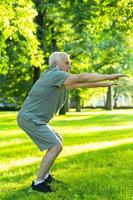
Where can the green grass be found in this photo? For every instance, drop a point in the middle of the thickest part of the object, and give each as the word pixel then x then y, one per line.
pixel 96 163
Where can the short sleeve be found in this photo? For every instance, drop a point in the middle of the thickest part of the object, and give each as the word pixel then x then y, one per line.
pixel 59 77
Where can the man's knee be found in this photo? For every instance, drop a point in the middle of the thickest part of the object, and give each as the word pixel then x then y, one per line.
pixel 57 149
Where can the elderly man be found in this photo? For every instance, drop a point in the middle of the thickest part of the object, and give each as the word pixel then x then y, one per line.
pixel 46 97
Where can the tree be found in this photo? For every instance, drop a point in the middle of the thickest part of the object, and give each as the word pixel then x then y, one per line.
pixel 19 49
pixel 95 33
pixel 103 28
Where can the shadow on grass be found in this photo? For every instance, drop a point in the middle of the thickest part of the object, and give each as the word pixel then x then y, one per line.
pixel 24 144
pixel 6 126
pixel 101 119
pixel 14 150
pixel 103 173
pixel 95 120
pixel 100 136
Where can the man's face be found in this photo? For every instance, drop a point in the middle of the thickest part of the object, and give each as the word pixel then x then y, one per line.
pixel 64 64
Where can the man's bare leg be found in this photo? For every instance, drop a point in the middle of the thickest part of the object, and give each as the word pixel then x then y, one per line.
pixel 48 161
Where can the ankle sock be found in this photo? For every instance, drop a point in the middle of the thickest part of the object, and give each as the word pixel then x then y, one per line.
pixel 38 182
pixel 46 176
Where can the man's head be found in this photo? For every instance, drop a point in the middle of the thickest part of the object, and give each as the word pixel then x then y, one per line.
pixel 60 60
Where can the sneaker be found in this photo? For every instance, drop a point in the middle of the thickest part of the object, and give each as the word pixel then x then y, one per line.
pixel 41 187
pixel 51 179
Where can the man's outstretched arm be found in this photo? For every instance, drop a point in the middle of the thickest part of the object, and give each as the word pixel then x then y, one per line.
pixel 90 85
pixel 90 78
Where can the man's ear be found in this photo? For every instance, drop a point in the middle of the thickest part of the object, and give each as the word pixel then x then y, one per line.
pixel 55 64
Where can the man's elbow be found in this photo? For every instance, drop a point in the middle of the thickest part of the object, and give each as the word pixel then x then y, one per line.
pixel 89 77
pixel 83 78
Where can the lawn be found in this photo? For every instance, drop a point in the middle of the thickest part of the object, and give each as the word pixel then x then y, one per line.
pixel 96 163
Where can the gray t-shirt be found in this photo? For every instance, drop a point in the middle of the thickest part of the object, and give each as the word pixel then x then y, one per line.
pixel 46 97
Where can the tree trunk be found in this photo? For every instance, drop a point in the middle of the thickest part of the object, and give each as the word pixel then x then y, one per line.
pixel 40 35
pixel 36 74
pixel 115 97
pixel 65 107
pixel 82 103
pixel 53 40
pixel 109 101
pixel 62 110
pixel 40 23
pixel 78 103
pixel 115 103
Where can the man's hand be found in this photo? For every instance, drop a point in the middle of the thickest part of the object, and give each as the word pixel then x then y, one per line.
pixel 116 76
pixel 101 84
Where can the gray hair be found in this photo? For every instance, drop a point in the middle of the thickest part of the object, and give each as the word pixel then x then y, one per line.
pixel 56 57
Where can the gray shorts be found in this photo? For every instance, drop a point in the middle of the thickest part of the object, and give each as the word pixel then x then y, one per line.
pixel 41 133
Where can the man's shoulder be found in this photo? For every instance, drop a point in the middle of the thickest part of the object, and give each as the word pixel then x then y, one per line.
pixel 53 72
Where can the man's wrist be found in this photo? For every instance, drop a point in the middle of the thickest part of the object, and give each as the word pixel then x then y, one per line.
pixel 108 77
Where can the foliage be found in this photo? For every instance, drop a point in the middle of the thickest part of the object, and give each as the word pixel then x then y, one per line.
pixel 97 34
pixel 104 27
pixel 18 40
pixel 16 91
pixel 124 88
pixel 19 49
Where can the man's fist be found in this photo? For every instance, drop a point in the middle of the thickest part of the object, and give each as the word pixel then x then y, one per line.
pixel 103 84
pixel 116 76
